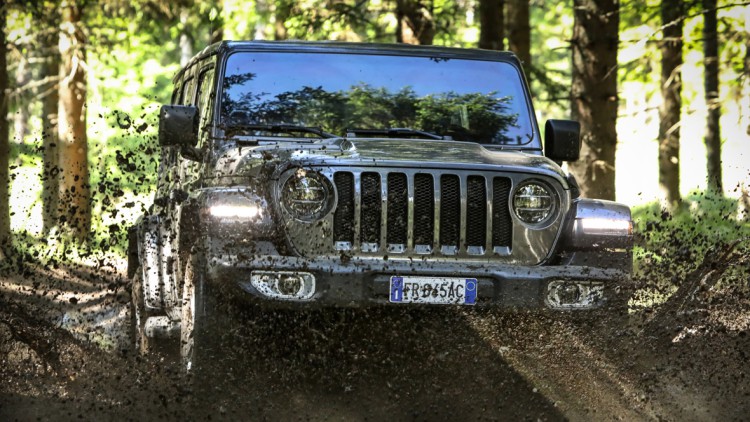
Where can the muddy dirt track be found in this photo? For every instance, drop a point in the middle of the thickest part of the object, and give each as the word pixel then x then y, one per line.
pixel 62 357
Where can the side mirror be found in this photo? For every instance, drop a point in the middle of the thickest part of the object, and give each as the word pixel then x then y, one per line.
pixel 178 126
pixel 562 140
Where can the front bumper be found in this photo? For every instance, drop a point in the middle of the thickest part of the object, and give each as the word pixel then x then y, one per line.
pixel 357 282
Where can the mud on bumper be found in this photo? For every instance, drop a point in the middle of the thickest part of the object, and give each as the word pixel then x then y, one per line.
pixel 356 282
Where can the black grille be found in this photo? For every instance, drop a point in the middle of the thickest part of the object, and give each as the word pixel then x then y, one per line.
pixel 409 219
pixel 398 209
pixel 476 212
pixel 424 210
pixel 450 210
pixel 502 232
pixel 343 218
pixel 371 208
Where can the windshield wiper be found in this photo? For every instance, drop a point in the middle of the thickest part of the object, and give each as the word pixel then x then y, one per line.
pixel 394 132
pixel 281 129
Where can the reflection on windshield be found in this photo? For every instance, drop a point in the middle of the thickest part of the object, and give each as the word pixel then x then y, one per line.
pixel 467 100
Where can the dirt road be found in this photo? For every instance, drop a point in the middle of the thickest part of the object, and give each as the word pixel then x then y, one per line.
pixel 61 334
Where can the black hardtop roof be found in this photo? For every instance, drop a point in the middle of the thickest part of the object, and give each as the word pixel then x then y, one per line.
pixel 225 47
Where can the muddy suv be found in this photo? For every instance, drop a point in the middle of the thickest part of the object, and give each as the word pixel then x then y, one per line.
pixel 313 174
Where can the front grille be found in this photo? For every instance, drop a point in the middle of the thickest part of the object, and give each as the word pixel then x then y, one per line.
pixel 421 213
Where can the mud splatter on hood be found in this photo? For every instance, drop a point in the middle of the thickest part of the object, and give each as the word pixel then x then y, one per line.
pixel 247 160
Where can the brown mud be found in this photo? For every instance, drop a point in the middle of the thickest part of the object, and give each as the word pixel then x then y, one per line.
pixel 64 356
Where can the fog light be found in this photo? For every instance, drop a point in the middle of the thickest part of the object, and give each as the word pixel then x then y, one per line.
pixel 574 294
pixel 290 285
pixel 284 285
pixel 568 294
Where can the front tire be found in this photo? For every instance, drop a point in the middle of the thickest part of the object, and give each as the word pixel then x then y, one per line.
pixel 138 339
pixel 202 323
pixel 161 347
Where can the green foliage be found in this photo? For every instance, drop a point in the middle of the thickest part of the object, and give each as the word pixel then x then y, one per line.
pixel 484 114
pixel 551 24
pixel 127 80
pixel 338 20
pixel 450 23
pixel 669 246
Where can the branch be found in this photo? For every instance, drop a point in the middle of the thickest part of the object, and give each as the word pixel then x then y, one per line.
pixel 686 17
pixel 35 84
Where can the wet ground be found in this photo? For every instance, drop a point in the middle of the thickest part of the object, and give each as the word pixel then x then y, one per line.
pixel 62 335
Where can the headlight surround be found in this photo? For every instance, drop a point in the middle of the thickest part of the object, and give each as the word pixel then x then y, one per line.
pixel 307 195
pixel 534 203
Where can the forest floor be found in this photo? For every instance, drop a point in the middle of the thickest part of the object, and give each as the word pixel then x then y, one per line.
pixel 64 356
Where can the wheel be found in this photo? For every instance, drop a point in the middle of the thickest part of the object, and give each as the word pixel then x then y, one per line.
pixel 202 324
pixel 138 339
pixel 162 347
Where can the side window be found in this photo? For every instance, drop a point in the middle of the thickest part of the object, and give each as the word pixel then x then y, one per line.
pixel 205 102
pixel 176 93
pixel 189 169
pixel 166 177
pixel 186 96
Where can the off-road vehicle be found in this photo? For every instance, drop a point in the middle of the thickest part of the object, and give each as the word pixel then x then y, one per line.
pixel 298 174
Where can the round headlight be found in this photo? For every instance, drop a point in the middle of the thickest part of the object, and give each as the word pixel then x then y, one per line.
pixel 533 203
pixel 307 195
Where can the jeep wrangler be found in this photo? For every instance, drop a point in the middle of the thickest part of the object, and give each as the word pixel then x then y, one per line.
pixel 308 174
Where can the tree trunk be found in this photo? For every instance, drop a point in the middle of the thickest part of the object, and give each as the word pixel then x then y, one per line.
pixel 746 96
pixel 281 13
pixel 491 24
pixel 711 84
pixel 669 112
pixel 217 25
pixel 519 30
pixel 4 145
pixel 21 115
pixel 594 94
pixel 50 100
pixel 75 209
pixel 186 39
pixel 415 24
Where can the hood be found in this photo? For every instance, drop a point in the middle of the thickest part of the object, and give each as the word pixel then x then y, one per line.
pixel 247 160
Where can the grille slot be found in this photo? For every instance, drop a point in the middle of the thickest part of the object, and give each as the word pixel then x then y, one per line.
pixel 450 210
pixel 476 212
pixel 398 209
pixel 502 230
pixel 395 212
pixel 343 218
pixel 371 209
pixel 424 210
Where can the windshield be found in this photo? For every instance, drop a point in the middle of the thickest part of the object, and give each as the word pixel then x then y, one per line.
pixel 467 100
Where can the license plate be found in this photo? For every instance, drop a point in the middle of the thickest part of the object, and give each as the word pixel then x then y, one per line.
pixel 441 290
